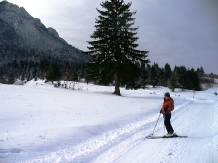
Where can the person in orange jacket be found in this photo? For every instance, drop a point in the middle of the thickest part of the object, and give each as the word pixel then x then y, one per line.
pixel 167 108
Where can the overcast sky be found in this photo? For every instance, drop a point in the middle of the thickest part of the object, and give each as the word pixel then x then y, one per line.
pixel 178 32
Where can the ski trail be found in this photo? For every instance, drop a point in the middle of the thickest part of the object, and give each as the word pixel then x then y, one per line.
pixel 179 150
pixel 128 143
pixel 116 152
pixel 113 143
pixel 122 148
pixel 91 148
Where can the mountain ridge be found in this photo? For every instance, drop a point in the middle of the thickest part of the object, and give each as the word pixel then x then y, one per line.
pixel 19 29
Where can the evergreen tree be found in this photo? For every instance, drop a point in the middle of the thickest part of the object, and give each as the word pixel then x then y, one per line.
pixel 200 71
pixel 182 77
pixel 167 71
pixel 54 73
pixel 153 76
pixel 114 49
pixel 172 83
pixel 193 80
pixel 161 77
pixel 148 69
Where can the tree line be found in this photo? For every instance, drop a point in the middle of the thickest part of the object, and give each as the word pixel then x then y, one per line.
pixel 52 69
pixel 179 77
pixel 45 68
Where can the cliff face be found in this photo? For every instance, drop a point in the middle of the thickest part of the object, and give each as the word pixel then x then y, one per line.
pixel 19 29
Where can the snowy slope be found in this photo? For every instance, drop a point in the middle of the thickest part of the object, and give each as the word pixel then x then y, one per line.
pixel 40 123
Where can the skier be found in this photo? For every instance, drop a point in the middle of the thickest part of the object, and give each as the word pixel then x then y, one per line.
pixel 168 106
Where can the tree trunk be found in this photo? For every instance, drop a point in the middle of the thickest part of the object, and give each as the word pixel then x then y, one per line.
pixel 117 84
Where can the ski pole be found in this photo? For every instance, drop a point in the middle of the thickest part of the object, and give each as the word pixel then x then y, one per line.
pixel 164 124
pixel 156 124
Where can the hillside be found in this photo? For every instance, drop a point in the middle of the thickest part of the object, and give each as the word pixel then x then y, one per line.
pixel 22 36
pixel 87 123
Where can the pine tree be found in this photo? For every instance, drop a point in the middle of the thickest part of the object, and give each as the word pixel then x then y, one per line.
pixel 154 76
pixel 193 80
pixel 114 49
pixel 167 71
pixel 182 77
pixel 161 77
pixel 172 83
pixel 200 71
pixel 54 73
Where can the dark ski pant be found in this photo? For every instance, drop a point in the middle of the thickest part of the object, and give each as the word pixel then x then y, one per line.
pixel 167 123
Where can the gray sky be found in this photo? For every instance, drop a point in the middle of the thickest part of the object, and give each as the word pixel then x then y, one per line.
pixel 178 32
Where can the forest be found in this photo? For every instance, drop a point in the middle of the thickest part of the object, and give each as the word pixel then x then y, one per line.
pixel 53 69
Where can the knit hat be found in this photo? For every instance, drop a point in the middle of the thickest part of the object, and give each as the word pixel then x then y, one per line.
pixel 167 94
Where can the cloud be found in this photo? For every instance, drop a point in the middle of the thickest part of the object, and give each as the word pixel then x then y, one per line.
pixel 178 32
pixel 181 32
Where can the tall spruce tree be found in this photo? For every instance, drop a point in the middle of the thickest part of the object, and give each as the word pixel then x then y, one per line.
pixel 182 77
pixel 193 80
pixel 167 71
pixel 114 49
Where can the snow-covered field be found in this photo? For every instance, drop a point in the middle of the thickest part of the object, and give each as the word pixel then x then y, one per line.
pixel 43 124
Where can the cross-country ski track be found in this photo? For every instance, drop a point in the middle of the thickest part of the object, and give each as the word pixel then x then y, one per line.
pixel 126 142
pixel 130 145
pixel 198 147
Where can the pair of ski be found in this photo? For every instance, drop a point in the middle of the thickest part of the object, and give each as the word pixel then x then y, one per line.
pixel 158 137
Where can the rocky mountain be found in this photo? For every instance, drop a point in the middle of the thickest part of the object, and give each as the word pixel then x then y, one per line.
pixel 21 36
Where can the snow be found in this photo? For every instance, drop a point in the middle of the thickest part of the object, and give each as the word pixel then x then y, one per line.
pixel 43 124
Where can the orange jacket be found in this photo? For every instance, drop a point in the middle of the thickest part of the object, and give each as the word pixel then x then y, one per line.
pixel 168 106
